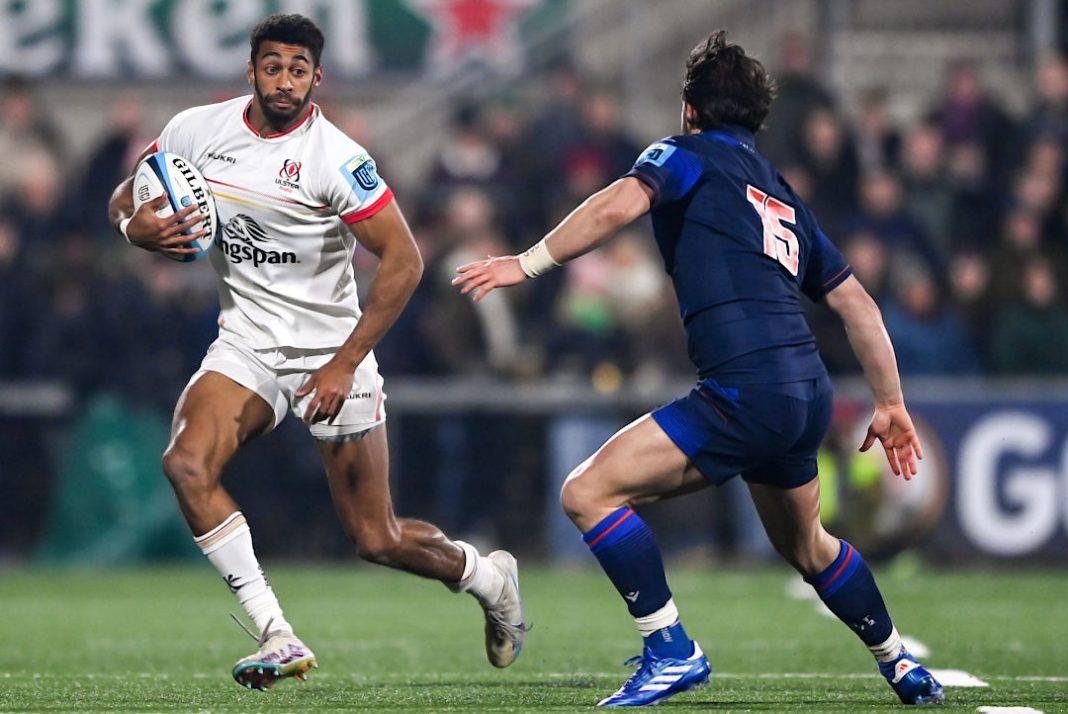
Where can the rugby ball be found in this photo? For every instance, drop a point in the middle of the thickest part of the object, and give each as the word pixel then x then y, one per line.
pixel 170 174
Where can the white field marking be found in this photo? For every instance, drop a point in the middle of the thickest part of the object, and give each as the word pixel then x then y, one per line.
pixel 446 676
pixel 915 647
pixel 1008 710
pixel 798 589
pixel 957 678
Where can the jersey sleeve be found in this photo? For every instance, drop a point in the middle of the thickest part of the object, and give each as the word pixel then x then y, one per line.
pixel 353 187
pixel 827 268
pixel 176 137
pixel 668 169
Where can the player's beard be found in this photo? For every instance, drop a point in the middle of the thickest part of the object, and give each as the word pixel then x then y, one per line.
pixel 276 118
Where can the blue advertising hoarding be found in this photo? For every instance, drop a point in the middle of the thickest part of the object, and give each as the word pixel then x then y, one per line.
pixel 993 483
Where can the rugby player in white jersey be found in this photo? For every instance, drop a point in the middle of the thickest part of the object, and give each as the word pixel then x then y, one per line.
pixel 294 195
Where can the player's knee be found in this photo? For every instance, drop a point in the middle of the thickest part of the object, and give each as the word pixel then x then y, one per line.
pixel 186 473
pixel 577 497
pixel 807 556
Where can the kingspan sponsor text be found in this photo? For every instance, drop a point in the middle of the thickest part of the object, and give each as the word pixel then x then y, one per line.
pixel 238 252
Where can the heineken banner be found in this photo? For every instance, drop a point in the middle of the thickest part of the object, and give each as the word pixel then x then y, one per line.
pixel 123 39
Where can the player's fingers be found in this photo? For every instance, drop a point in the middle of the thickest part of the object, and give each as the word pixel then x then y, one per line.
pixel 182 220
pixel 309 413
pixel 157 202
pixel 474 283
pixel 305 389
pixel 327 410
pixel 181 239
pixel 912 468
pixel 906 458
pixel 483 293
pixel 187 226
pixel 179 250
pixel 181 215
pixel 179 229
pixel 475 273
pixel 917 447
pixel 190 222
pixel 868 440
pixel 891 456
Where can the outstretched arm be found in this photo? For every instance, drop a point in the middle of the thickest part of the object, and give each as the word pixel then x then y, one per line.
pixel 891 423
pixel 599 218
pixel 387 236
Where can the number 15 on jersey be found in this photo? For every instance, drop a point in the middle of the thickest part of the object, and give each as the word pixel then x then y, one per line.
pixel 780 242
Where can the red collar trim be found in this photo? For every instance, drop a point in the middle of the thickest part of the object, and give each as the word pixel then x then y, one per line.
pixel 290 130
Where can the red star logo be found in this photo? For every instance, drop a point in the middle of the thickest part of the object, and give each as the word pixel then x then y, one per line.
pixel 485 30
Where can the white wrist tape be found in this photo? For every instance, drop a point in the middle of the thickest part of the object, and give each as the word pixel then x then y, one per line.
pixel 123 224
pixel 536 260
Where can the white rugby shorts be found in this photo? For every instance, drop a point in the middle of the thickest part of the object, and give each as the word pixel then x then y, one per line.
pixel 276 374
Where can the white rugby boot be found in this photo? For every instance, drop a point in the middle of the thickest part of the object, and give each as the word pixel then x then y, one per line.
pixel 505 626
pixel 281 654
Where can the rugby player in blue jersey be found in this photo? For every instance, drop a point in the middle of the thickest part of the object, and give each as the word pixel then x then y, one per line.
pixel 741 248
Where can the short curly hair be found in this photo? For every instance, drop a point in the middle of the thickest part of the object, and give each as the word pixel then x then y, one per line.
pixel 726 86
pixel 290 30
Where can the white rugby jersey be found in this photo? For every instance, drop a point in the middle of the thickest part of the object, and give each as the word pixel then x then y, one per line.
pixel 284 257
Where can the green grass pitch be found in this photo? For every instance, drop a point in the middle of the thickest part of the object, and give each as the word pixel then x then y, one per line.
pixel 160 640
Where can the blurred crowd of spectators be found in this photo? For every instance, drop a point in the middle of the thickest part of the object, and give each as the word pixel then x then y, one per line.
pixel 955 221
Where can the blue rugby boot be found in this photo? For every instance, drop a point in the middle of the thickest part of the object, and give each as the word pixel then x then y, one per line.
pixel 912 683
pixel 658 678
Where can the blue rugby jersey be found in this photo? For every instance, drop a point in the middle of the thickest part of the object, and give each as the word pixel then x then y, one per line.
pixel 740 247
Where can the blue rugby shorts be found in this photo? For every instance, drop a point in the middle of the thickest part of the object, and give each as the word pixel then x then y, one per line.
pixel 766 433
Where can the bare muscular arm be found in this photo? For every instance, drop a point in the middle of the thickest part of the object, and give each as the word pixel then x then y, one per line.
pixel 891 423
pixel 596 220
pixel 386 235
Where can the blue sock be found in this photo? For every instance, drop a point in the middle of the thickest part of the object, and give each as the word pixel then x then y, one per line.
pixel 627 551
pixel 848 589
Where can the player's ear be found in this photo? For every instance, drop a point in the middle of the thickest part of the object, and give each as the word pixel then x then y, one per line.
pixel 251 73
pixel 689 115
pixel 318 76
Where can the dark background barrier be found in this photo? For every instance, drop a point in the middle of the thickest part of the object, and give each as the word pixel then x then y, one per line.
pixel 485 461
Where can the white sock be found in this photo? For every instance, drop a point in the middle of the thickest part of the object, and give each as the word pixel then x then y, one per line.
pixel 666 616
pixel 229 548
pixel 889 650
pixel 481 577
